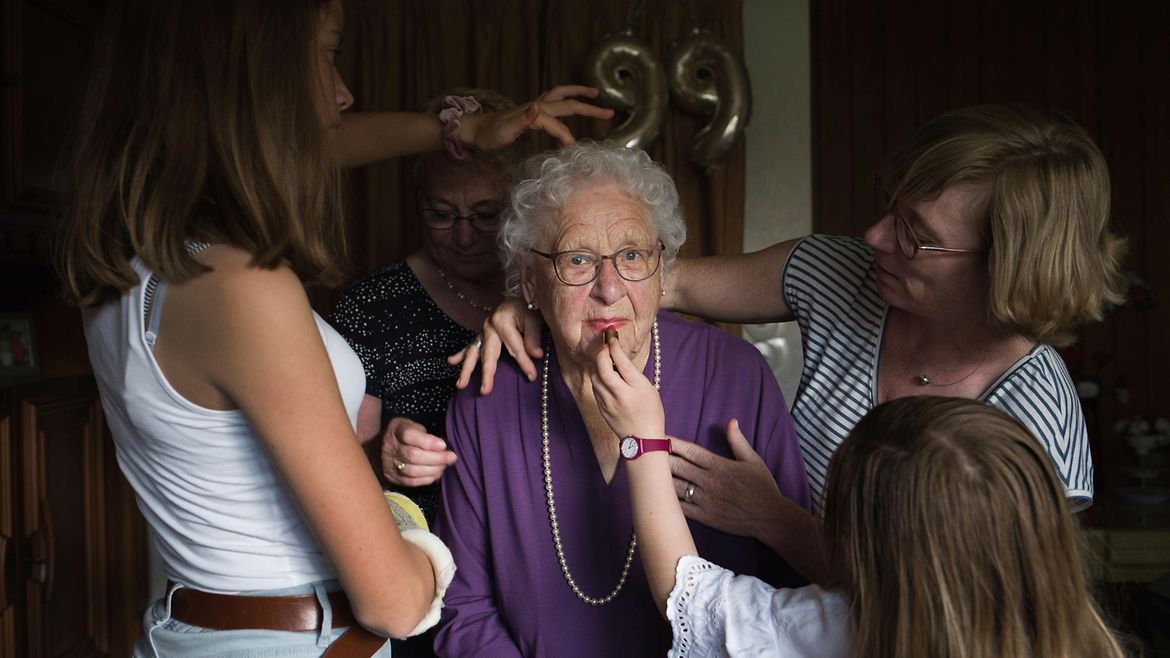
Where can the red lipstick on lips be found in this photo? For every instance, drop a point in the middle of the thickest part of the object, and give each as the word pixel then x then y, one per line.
pixel 600 325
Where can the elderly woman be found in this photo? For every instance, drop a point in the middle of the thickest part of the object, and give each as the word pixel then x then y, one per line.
pixel 536 511
pixel 992 247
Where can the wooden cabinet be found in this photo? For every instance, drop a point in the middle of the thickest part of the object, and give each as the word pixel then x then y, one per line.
pixel 73 542
pixel 73 560
pixel 44 67
pixel 1128 542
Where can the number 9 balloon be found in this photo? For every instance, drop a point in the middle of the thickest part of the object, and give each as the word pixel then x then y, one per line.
pixel 631 81
pixel 707 78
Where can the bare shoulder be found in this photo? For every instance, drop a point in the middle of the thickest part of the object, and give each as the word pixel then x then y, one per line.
pixel 237 287
pixel 233 268
pixel 215 324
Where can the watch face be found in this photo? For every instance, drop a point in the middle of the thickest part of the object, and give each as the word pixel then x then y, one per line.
pixel 629 447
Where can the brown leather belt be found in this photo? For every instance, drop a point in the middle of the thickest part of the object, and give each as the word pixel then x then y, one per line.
pixel 231 612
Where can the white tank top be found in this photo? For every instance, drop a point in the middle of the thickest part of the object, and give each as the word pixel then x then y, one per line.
pixel 219 513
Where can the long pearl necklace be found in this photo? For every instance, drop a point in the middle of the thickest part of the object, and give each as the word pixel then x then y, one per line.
pixel 460 295
pixel 548 485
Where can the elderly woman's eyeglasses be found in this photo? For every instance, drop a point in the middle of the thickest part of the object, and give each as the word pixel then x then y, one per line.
pixel 910 245
pixel 485 220
pixel 581 266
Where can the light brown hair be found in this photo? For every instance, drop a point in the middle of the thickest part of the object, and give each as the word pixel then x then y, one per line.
pixel 953 536
pixel 1053 262
pixel 199 124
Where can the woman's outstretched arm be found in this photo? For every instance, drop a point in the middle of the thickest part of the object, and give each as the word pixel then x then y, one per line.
pixel 739 288
pixel 365 137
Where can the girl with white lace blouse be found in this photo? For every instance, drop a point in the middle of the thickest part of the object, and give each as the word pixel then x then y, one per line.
pixel 947 529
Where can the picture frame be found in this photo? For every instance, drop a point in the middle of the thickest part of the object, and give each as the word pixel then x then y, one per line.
pixel 18 347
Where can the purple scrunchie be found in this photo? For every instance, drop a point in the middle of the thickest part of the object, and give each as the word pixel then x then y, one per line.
pixel 454 107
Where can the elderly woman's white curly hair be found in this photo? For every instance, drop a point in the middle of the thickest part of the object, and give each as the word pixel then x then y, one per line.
pixel 547 181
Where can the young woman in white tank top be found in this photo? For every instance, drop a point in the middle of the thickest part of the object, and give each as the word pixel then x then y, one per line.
pixel 205 198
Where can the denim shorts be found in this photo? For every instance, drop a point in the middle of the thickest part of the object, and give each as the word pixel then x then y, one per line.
pixel 166 637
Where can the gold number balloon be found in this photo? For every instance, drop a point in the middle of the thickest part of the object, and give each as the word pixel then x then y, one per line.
pixel 631 81
pixel 706 78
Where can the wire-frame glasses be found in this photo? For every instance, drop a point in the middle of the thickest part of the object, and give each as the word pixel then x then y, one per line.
pixel 484 220
pixel 581 266
pixel 908 242
pixel 910 245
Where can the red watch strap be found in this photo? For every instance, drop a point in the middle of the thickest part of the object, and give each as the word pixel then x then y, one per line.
pixel 652 445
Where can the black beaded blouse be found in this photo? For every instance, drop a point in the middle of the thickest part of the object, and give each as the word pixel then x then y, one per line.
pixel 403 339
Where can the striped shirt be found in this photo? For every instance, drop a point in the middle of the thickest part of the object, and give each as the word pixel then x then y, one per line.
pixel 828 282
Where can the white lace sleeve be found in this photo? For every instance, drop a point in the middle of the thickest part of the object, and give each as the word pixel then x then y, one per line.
pixel 689 578
pixel 714 612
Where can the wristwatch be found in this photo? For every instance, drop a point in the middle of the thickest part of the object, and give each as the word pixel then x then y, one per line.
pixel 635 446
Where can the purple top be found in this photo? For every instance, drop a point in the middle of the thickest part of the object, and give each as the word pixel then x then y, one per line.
pixel 509 597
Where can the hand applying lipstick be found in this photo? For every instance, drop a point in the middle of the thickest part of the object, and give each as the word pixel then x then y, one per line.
pixel 628 401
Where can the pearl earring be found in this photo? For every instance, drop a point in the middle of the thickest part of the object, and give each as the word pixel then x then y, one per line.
pixel 531 306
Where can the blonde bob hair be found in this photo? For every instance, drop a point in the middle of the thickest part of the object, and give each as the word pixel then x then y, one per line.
pixel 1053 262
pixel 951 531
pixel 199 124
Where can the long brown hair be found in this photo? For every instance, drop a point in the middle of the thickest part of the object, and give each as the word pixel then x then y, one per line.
pixel 1054 263
pixel 953 536
pixel 199 124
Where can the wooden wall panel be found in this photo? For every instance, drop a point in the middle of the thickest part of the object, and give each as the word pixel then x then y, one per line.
pixel 880 68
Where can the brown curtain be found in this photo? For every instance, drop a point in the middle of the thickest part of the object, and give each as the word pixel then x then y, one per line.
pixel 399 53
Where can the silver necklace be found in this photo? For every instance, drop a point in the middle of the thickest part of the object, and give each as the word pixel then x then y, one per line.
pixel 548 485
pixel 924 380
pixel 460 295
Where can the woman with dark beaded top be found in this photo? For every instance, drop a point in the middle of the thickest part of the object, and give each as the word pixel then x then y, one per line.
pixel 403 319
pixel 450 284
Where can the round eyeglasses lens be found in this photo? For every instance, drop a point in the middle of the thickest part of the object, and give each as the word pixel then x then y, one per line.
pixel 437 219
pixel 907 242
pixel 636 264
pixel 576 267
